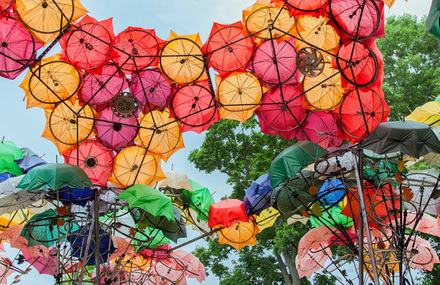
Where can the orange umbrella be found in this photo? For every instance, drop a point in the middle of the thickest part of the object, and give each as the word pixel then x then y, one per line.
pixel 134 166
pixel 46 19
pixel 160 134
pixel 181 59
pixel 239 235
pixel 315 32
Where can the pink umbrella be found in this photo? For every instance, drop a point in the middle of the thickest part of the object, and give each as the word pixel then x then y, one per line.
pixel 5 271
pixel 321 128
pixel 17 46
pixel 195 107
pixel 115 132
pixel 425 255
pixel 194 268
pixel 275 63
pixel 151 87
pixel 45 263
pixel 170 270
pixel 159 252
pixel 311 262
pixel 101 88
pixel 281 112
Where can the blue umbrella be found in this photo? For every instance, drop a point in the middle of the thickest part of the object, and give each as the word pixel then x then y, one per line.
pixel 28 162
pixel 258 195
pixel 331 191
pixel 76 196
pixel 5 176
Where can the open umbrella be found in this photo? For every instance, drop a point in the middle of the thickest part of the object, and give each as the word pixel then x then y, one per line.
pixel 428 113
pixel 199 200
pixel 432 21
pixel 258 195
pixel 239 235
pixel 175 180
pixel 227 212
pixel 8 154
pixel 151 87
pixel 316 32
pixel 44 264
pixel 28 162
pixel 321 128
pixel 13 198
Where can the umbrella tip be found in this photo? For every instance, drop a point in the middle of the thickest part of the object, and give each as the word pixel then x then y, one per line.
pixel 56 158
pixel 172 166
pixel 3 139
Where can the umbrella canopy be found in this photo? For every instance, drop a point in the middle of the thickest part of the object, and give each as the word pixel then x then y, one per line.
pixel 8 154
pixel 292 199
pixel 316 32
pixel 28 162
pixel 226 213
pixel 13 198
pixel 432 21
pixel 151 87
pixel 428 113
pixel 413 138
pixel 331 191
pixel 200 200
pixel 266 218
pixel 331 217
pixel 258 195
pixel 194 268
pixel 54 176
pixel 239 235
pixel 175 180
pixel 422 184
pixel 294 158
pixel 44 264
pixel 150 199
pixel 322 129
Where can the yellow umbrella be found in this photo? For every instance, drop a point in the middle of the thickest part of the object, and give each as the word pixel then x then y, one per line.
pixel 266 218
pixel 325 91
pixel 134 166
pixel 428 113
pixel 45 19
pixel 239 235
pixel 315 32
pixel 18 217
pixel 51 82
pixel 239 95
pixel 136 262
pixel 160 134
pixel 389 2
pixel 182 60
pixel 69 124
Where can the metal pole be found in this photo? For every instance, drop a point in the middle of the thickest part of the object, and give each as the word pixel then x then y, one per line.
pixel 97 253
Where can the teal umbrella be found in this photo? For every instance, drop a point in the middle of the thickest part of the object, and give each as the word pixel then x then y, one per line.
pixel 150 199
pixel 294 158
pixel 200 200
pixel 8 154
pixel 54 176
pixel 432 21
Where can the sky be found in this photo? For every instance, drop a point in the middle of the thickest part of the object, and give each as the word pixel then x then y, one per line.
pixel 24 126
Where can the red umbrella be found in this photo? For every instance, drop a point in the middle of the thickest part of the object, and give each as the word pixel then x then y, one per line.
pixel 115 132
pixel 302 7
pixel 321 128
pixel 137 48
pixel 151 87
pixel 275 63
pixel 101 88
pixel 89 44
pixel 94 158
pixel 195 107
pixel 227 48
pixel 227 213
pixel 281 112
pixel 5 5
pixel 16 48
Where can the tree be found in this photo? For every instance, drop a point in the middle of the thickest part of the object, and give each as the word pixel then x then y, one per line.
pixel 411 65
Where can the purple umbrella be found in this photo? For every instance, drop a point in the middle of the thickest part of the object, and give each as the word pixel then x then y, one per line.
pixel 150 86
pixel 116 132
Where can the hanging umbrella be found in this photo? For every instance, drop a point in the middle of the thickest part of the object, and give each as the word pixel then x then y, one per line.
pixel 258 195
pixel 54 176
pixel 194 106
pixel 134 166
pixel 423 184
pixel 44 264
pixel 294 158
pixel 266 218
pixel 292 199
pixel 8 154
pixel 275 63
pixel 194 268
pixel 199 200
pixel 102 88
pixel 301 6
pixel 181 59
pixel 227 48
pixel 432 21
pixel 13 198
pixel 281 112
pixel 321 128
pixel 331 192
pixel 413 138
pixel 28 162
pixel 175 180
pixel 151 87
pixel 425 255
pixel 150 199
pixel 226 213
pixel 428 113
pixel 72 195
pixel 316 32
pixel 239 235
pixel 88 45
pixel 137 48
pixel 332 217
pixel 18 46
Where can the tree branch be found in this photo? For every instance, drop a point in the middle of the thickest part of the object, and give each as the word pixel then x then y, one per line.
pixel 237 180
pixel 292 269
pixel 283 269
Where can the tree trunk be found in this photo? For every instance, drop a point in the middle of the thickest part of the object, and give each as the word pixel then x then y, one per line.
pixel 294 276
pixel 283 269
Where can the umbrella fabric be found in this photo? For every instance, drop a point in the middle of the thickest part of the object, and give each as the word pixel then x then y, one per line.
pixel 331 191
pixel 432 21
pixel 200 200
pixel 151 87
pixel 28 162
pixel 150 199
pixel 292 199
pixel 239 235
pixel 290 162
pixel 45 264
pixel 54 176
pixel 422 184
pixel 331 217
pixel 266 218
pixel 194 268
pixel 316 32
pixel 13 198
pixel 321 128
pixel 227 213
pixel 5 176
pixel 258 195
pixel 425 256
pixel 428 113
pixel 8 154
pixel 175 180
pixel 413 138
pixel 73 195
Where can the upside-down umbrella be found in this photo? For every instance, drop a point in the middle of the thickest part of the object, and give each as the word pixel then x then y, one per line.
pixel 239 235
pixel 175 180
pixel 258 195
pixel 101 88
pixel 290 162
pixel 281 112
pixel 13 198
pixel 88 45
pixel 239 95
pixel 199 200
pixel 94 158
pixel 226 213
pixel 18 46
pixel 228 48
pixel 316 32
pixel 44 264
pixel 275 63
pixel 134 166
pixel 160 134
pixel 54 176
pixel 151 87
pixel 321 128
pixel 9 152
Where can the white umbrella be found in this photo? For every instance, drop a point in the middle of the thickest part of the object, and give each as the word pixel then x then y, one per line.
pixel 13 199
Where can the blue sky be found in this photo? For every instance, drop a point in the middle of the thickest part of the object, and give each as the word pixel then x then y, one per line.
pixel 24 126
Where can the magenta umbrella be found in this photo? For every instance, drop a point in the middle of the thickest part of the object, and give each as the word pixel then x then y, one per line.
pixel 43 264
pixel 116 132
pixel 101 88
pixel 320 128
pixel 17 46
pixel 275 63
pixel 150 86
pixel 281 112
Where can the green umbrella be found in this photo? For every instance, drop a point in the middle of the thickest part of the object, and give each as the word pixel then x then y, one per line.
pixel 150 199
pixel 150 238
pixel 330 217
pixel 432 21
pixel 294 158
pixel 54 176
pixel 8 154
pixel 413 138
pixel 200 200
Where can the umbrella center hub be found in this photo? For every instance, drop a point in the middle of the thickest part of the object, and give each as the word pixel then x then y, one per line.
pixel 4 44
pixel 91 162
pixel 373 114
pixel 230 49
pixel 81 41
pixel 72 121
pixel 182 61
pixel 125 105
pixel 117 126
pixel 158 131
pixel 134 167
pixel 134 52
pixel 44 4
pixel 89 46
pixel 151 89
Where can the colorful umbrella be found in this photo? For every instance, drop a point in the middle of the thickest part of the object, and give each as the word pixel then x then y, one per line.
pixel 432 21
pixel 226 213
pixel 13 198
pixel 44 264
pixel 316 32
pixel 428 113
pixel 266 218
pixel 175 180
pixel 258 195
pixel 151 87
pixel 321 128
pixel 8 154
pixel 200 200
pixel 28 162
pixel 239 235
pixel 331 192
